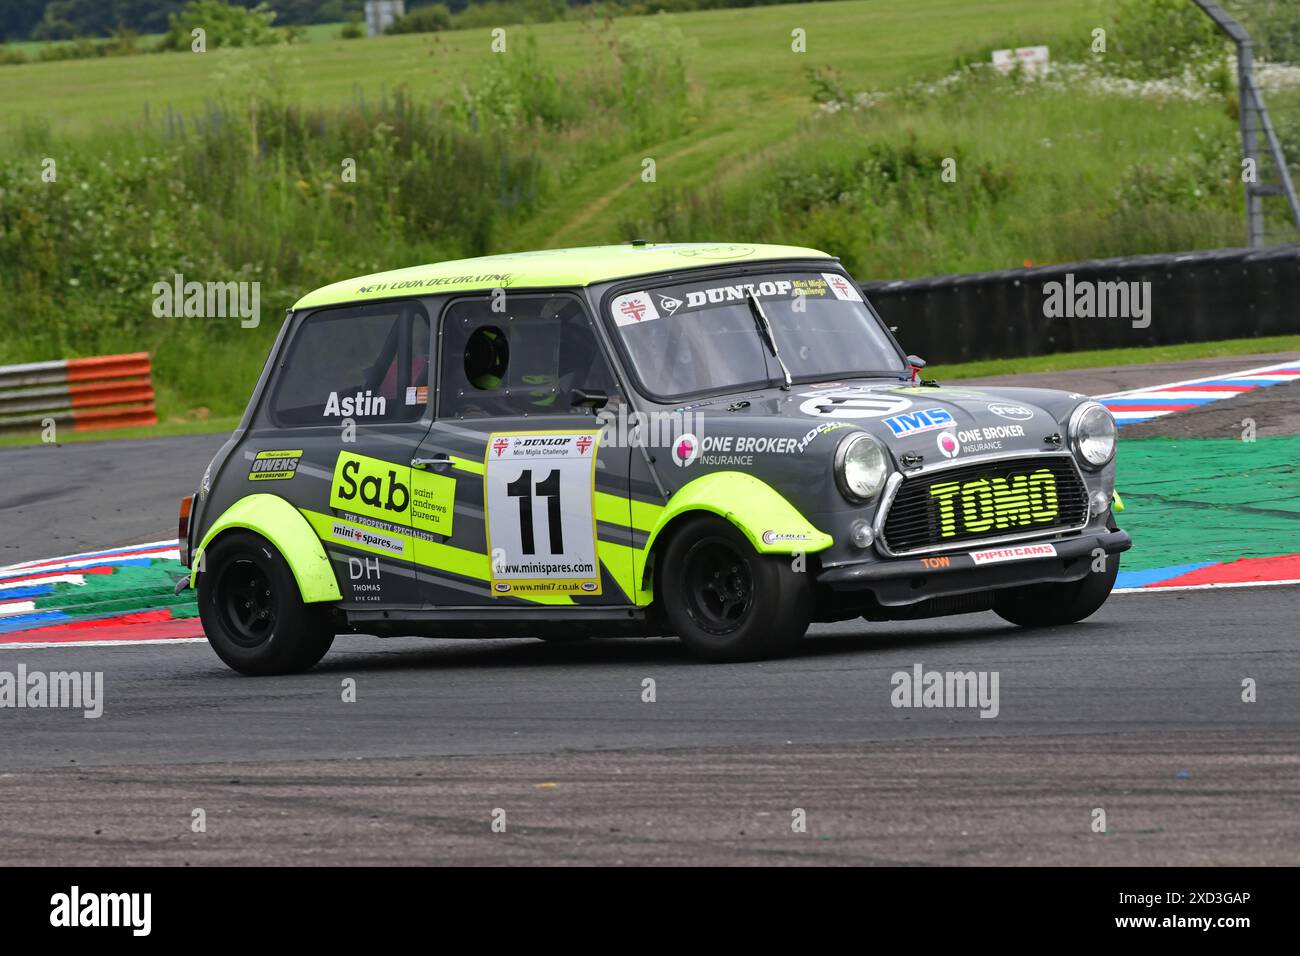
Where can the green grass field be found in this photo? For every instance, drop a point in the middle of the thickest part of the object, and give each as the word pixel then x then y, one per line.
pixel 225 165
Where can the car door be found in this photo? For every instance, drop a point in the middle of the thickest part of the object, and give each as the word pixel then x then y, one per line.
pixel 541 499
pixel 350 407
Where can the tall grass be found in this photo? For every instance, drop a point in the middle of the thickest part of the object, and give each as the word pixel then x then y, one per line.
pixel 1039 173
pixel 259 187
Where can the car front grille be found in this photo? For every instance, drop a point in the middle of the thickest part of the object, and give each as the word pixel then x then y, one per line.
pixel 999 500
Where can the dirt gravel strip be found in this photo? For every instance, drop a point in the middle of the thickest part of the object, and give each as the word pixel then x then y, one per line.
pixel 1180 799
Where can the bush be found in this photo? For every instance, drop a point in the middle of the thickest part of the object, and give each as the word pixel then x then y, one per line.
pixel 224 24
pixel 431 19
pixel 1164 39
pixel 353 30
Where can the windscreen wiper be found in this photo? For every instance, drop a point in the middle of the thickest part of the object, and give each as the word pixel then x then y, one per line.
pixel 765 332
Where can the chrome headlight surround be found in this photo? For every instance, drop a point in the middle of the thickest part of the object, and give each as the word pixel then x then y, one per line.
pixel 861 467
pixel 1093 436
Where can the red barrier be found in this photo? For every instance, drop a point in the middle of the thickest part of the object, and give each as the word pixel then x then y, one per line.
pixel 102 392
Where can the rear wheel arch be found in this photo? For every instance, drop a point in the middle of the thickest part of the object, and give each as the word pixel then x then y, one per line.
pixel 283 526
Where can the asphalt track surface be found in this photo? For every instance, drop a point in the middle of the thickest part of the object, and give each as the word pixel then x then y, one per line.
pixel 1137 711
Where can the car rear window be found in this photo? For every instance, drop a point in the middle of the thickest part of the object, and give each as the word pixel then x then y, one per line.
pixel 369 364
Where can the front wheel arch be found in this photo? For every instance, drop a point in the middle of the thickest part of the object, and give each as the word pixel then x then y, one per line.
pixel 753 506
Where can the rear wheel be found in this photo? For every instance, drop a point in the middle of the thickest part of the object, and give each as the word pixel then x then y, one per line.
pixel 726 601
pixel 252 612
pixel 1046 605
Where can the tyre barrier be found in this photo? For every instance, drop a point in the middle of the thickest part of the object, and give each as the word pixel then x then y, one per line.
pixel 91 394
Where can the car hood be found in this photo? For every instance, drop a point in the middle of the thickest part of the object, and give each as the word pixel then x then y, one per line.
pixel 924 422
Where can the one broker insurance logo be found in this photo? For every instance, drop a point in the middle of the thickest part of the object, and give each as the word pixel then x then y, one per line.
pixel 76 909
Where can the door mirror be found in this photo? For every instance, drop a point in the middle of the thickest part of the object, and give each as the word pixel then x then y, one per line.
pixel 592 398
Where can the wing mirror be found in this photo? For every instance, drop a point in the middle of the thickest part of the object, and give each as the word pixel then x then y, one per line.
pixel 593 398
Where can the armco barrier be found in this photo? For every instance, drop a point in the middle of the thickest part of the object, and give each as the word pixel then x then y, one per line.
pixel 1194 297
pixel 111 391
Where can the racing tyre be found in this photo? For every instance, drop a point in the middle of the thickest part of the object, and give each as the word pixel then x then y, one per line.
pixel 252 612
pixel 1045 605
pixel 726 601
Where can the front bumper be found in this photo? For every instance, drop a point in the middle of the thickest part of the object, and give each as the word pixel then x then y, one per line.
pixel 898 582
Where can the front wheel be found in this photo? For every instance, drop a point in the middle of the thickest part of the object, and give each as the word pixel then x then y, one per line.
pixel 252 612
pixel 726 601
pixel 1045 605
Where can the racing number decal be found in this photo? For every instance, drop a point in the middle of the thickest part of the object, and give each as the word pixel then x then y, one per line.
pixel 539 491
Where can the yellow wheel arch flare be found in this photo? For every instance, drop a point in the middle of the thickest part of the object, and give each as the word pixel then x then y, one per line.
pixel 280 523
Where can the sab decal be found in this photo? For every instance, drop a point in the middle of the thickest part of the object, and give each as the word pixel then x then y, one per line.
pixel 275 465
pixel 539 494
pixel 375 488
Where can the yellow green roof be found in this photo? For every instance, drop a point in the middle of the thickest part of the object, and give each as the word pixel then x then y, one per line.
pixel 550 267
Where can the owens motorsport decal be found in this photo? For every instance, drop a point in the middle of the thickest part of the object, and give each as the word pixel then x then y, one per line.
pixel 914 423
pixel 986 504
pixel 275 465
pixel 1017 553
pixel 539 495
pixel 394 493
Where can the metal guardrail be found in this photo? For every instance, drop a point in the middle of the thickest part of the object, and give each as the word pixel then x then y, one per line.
pixel 109 391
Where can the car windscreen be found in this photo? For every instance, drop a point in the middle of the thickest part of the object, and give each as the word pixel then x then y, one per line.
pixel 691 338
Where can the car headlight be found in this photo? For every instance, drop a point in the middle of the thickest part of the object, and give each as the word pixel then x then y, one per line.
pixel 1092 435
pixel 861 466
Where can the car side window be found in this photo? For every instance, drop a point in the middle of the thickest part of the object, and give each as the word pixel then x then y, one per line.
pixel 524 360
pixel 366 363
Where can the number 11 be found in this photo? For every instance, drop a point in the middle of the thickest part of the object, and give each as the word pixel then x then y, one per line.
pixel 549 488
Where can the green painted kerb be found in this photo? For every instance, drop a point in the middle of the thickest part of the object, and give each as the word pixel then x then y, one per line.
pixel 281 524
pixel 772 524
pixel 1191 500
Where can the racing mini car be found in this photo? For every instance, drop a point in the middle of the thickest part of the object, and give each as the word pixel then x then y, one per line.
pixel 722 442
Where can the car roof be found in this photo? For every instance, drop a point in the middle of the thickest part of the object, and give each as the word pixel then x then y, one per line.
pixel 549 268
